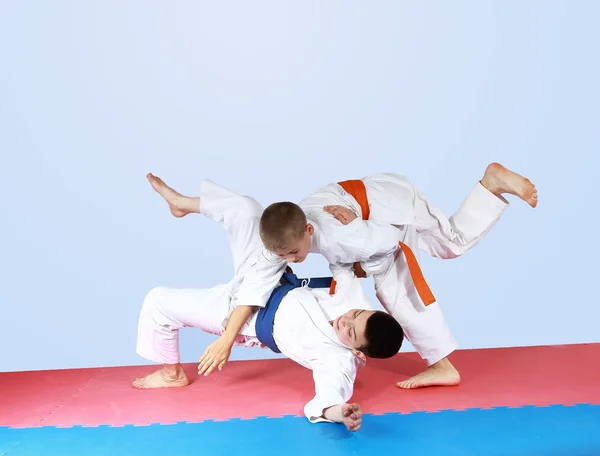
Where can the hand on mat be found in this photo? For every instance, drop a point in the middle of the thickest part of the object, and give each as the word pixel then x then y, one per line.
pixel 343 214
pixel 215 356
pixel 352 416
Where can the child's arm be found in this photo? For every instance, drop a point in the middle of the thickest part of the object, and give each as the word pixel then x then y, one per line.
pixel 369 245
pixel 254 292
pixel 263 277
pixel 334 385
pixel 217 353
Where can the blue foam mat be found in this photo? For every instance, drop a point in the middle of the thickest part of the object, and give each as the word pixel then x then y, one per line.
pixel 537 431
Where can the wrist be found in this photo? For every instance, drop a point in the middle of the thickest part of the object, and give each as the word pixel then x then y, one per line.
pixel 334 413
pixel 228 336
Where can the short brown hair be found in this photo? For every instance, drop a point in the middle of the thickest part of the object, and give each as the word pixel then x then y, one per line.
pixel 282 224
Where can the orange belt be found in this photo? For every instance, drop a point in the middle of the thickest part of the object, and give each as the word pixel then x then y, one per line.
pixel 357 189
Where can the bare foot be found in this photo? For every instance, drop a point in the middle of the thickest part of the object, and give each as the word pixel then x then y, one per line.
pixel 179 204
pixel 498 180
pixel 166 377
pixel 442 373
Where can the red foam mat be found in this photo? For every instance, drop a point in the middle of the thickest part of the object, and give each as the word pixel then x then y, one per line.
pixel 28 397
pixel 568 374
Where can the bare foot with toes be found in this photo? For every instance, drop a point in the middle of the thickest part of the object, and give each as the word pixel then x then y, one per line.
pixel 498 180
pixel 166 377
pixel 179 204
pixel 442 373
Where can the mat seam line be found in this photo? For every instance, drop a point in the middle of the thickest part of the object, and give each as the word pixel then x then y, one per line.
pixel 501 407
pixel 48 414
pixel 67 398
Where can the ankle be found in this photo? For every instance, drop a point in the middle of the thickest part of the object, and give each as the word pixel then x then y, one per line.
pixel 172 370
pixel 188 204
pixel 195 204
pixel 491 185
pixel 442 365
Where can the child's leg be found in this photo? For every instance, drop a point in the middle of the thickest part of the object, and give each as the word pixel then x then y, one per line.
pixel 427 330
pixel 167 310
pixel 444 237
pixel 164 312
pixel 239 214
pixel 395 200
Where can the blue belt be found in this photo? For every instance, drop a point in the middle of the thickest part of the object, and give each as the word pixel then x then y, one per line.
pixel 266 315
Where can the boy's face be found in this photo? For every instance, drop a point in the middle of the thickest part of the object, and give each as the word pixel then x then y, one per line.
pixel 350 328
pixel 297 251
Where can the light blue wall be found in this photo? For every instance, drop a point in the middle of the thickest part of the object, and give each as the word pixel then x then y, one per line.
pixel 274 99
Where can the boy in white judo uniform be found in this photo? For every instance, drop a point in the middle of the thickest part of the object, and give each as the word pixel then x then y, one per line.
pixel 394 221
pixel 330 334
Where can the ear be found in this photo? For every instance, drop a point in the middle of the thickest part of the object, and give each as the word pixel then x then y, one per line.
pixel 309 229
pixel 359 354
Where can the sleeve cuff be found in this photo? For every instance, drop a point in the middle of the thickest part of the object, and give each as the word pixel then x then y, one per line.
pixel 314 409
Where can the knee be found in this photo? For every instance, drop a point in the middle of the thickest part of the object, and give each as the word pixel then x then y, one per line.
pixel 152 300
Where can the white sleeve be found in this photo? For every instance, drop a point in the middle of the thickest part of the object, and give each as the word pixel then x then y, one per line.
pixel 334 385
pixel 342 273
pixel 379 264
pixel 263 278
pixel 371 243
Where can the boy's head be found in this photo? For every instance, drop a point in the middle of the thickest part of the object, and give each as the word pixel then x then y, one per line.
pixel 285 231
pixel 370 333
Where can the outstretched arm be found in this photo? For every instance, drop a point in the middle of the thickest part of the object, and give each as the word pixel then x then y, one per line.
pixel 334 384
pixel 254 292
pixel 217 354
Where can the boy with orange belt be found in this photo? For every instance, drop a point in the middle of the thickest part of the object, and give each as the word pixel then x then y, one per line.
pixel 376 226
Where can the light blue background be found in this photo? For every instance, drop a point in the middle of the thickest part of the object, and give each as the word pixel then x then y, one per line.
pixel 274 99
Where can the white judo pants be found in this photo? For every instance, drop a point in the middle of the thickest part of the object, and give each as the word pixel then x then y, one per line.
pixel 442 237
pixel 166 310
